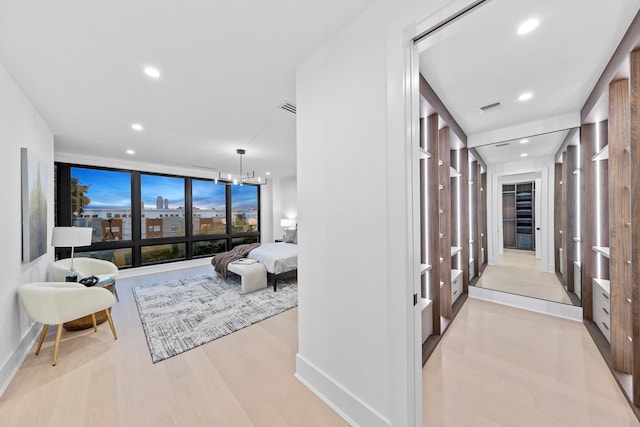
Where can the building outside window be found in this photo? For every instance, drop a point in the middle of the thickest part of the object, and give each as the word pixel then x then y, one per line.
pixel 244 208
pixel 165 223
pixel 209 207
pixel 101 199
pixel 162 206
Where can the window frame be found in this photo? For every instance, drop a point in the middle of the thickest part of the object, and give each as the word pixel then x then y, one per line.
pixel 64 216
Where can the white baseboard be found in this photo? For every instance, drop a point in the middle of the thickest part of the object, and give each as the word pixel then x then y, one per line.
pixel 10 368
pixel 565 311
pixel 348 406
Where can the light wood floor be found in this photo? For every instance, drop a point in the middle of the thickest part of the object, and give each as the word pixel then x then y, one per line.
pixel 502 366
pixel 496 366
pixel 519 272
pixel 243 379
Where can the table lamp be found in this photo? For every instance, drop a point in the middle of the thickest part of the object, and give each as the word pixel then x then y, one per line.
pixel 287 223
pixel 70 237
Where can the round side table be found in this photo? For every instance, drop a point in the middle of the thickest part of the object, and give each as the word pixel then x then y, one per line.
pixel 85 322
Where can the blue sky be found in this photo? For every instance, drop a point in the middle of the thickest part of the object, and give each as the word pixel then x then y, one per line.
pixel 166 186
pixel 110 189
pixel 244 197
pixel 207 194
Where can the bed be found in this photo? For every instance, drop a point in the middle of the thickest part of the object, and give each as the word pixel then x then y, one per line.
pixel 280 259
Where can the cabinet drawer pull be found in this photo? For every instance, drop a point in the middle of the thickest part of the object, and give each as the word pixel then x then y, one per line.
pixel 605 325
pixel 455 292
pixel 605 295
pixel 605 310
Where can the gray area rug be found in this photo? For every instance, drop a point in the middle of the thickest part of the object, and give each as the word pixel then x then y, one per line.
pixel 182 314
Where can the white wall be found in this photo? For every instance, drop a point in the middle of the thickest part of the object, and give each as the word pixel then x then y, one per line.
pixel 285 203
pixel 20 126
pixel 356 253
pixel 530 169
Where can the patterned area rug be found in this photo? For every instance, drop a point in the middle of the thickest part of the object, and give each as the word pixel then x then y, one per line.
pixel 179 315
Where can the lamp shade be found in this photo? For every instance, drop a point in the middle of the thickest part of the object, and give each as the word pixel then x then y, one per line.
pixel 287 222
pixel 69 237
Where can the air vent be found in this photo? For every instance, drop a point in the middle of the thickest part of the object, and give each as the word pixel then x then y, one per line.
pixel 502 144
pixel 490 107
pixel 288 107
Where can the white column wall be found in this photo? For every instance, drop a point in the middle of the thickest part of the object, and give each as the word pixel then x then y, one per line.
pixel 285 203
pixel 266 212
pixel 20 126
pixel 356 266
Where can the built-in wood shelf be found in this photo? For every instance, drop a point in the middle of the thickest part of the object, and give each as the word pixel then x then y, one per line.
pixel 602 250
pixel 603 154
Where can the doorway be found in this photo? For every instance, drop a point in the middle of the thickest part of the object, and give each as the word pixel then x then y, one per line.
pixel 518 216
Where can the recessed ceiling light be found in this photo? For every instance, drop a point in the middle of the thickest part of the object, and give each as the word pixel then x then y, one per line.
pixel 523 155
pixel 524 141
pixel 525 96
pixel 131 152
pixel 528 26
pixel 268 173
pixel 152 72
pixel 137 127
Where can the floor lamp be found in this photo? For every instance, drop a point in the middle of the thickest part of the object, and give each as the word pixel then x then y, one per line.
pixel 70 237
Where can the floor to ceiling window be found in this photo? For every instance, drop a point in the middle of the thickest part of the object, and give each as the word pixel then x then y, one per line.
pixel 143 218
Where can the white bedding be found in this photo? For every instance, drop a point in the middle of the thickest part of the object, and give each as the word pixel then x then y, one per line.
pixel 277 257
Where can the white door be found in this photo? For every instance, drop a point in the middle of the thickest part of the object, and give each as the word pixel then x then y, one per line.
pixel 537 223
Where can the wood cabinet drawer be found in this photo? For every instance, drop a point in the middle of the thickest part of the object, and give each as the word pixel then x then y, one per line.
pixel 602 307
pixel 604 324
pixel 456 285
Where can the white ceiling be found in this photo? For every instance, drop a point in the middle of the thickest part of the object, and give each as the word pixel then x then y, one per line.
pixel 480 59
pixel 226 67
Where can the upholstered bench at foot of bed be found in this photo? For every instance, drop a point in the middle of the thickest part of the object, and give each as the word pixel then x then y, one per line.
pixel 253 276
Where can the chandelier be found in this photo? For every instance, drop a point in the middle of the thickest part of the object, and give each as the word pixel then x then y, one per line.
pixel 242 178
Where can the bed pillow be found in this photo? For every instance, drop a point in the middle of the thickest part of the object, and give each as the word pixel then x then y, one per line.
pixel 290 235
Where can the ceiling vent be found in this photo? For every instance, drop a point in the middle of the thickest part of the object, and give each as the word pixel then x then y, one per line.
pixel 502 144
pixel 288 107
pixel 490 107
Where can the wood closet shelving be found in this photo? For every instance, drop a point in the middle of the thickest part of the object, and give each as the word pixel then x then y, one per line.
pixel 518 215
pixel 610 169
pixel 444 220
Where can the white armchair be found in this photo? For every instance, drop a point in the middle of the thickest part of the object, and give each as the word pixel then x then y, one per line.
pixel 84 267
pixel 53 303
